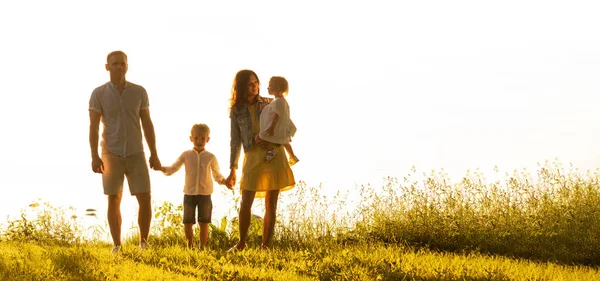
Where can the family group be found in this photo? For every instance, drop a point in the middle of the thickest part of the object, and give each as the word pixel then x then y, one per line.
pixel 260 126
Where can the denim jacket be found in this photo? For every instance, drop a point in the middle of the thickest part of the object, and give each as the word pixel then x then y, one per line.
pixel 241 129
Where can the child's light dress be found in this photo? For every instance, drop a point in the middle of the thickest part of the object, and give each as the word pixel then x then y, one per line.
pixel 284 129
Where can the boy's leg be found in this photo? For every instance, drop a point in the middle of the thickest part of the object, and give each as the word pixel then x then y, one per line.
pixel 190 203
pixel 189 234
pixel 203 234
pixel 204 217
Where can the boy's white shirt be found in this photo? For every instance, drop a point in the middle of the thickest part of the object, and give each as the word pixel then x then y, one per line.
pixel 201 168
pixel 284 129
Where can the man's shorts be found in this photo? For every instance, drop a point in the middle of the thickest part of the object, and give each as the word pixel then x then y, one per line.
pixel 116 168
pixel 201 202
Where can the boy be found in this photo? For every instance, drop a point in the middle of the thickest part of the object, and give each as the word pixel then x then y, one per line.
pixel 199 166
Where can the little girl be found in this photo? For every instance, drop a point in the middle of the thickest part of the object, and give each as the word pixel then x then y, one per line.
pixel 275 123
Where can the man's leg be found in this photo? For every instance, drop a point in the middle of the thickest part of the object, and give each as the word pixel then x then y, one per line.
pixel 270 216
pixel 138 179
pixel 114 217
pixel 144 215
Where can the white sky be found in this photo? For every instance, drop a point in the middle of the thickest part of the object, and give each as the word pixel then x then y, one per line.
pixel 375 86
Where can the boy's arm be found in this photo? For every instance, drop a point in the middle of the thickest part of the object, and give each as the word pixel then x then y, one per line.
pixel 216 173
pixel 169 170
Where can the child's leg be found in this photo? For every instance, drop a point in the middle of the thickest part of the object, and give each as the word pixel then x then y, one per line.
pixel 293 159
pixel 204 218
pixel 271 151
pixel 269 145
pixel 189 233
pixel 189 213
pixel 203 234
pixel 288 149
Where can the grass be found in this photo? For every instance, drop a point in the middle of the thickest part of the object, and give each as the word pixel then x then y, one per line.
pixel 359 262
pixel 421 227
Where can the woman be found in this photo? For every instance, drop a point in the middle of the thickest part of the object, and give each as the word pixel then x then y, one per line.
pixel 259 178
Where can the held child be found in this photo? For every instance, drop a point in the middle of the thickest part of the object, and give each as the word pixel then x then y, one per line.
pixel 275 123
pixel 200 165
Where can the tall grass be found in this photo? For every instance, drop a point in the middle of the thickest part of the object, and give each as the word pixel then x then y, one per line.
pixel 45 224
pixel 553 215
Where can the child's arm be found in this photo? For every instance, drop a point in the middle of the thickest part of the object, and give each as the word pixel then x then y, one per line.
pixel 169 170
pixel 271 129
pixel 216 174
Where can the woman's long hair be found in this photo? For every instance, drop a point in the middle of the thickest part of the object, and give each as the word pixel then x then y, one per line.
pixel 239 89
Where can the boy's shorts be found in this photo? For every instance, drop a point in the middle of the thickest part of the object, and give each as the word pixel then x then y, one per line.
pixel 117 167
pixel 201 202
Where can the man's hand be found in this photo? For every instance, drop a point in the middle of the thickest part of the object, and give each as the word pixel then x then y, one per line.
pixel 97 164
pixel 155 162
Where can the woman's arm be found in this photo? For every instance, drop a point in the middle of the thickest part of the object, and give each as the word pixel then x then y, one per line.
pixel 236 146
pixel 235 143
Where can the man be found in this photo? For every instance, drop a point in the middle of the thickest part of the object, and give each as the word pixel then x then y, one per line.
pixel 121 106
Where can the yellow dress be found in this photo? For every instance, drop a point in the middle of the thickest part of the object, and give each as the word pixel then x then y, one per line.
pixel 261 176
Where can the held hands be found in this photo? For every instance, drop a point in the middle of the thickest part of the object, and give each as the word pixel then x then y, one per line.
pixel 155 162
pixel 230 180
pixel 224 182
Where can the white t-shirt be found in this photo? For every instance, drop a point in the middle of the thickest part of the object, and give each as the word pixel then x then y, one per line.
pixel 200 171
pixel 284 129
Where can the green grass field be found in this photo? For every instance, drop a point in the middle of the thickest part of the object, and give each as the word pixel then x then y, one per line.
pixel 29 261
pixel 421 227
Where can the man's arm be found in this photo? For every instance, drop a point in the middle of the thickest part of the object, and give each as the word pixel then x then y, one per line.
pixel 97 164
pixel 148 128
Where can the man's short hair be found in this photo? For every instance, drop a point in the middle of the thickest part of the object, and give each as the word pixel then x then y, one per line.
pixel 115 53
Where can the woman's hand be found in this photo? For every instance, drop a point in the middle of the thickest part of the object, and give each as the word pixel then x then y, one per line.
pixel 230 180
pixel 260 142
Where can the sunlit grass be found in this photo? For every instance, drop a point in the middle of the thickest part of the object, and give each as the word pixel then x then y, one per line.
pixel 358 262
pixel 544 226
